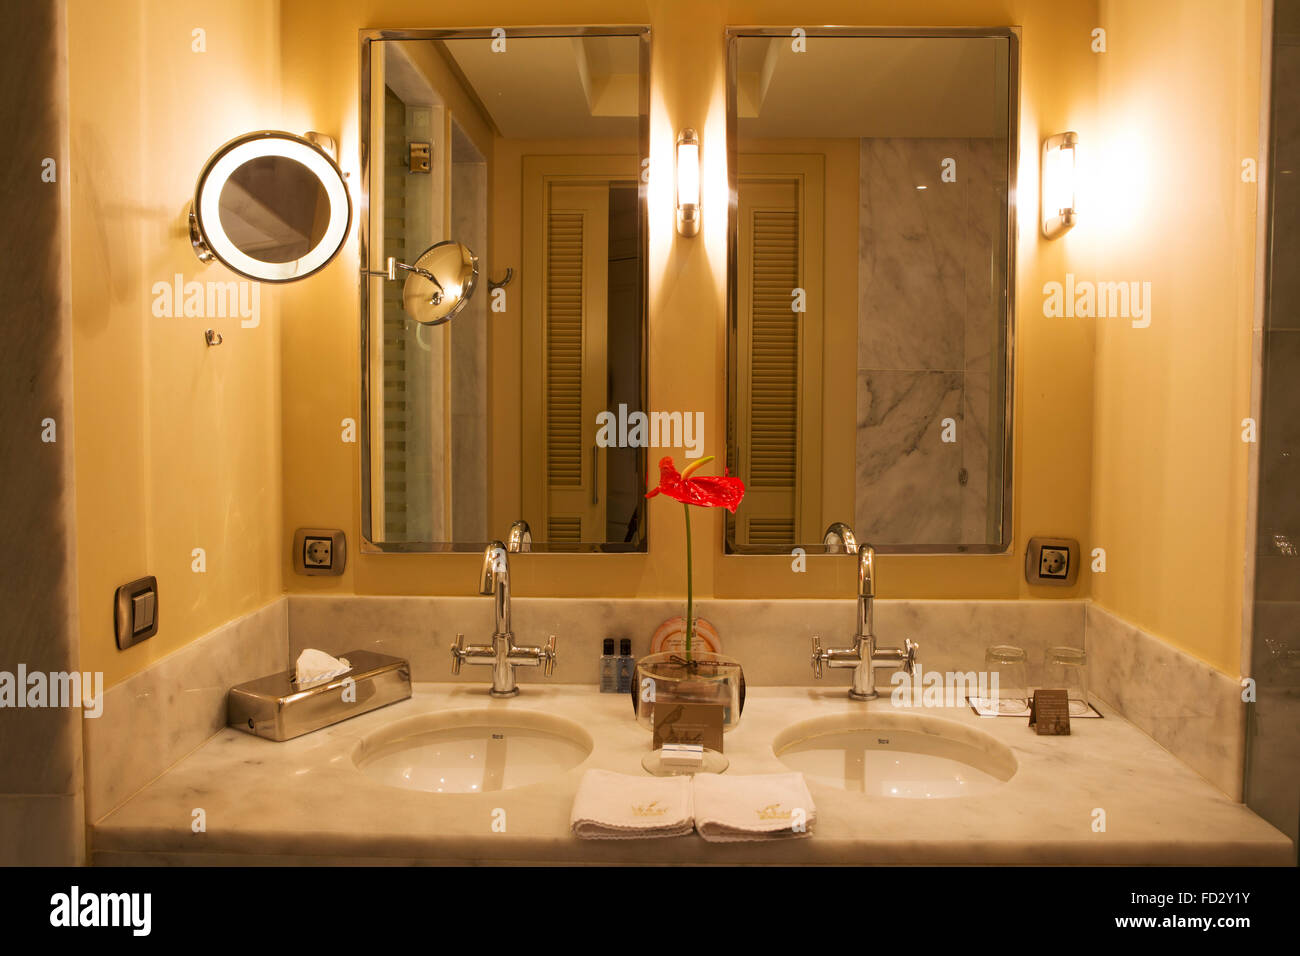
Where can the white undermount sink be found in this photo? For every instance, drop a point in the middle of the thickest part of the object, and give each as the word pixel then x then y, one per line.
pixel 472 751
pixel 896 755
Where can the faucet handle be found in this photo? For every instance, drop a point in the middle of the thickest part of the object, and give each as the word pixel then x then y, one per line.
pixel 817 657
pixel 909 657
pixel 457 653
pixel 548 657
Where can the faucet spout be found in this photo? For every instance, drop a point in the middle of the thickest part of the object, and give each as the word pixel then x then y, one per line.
pixel 866 590
pixel 495 580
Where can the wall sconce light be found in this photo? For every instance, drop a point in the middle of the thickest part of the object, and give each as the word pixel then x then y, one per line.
pixel 688 183
pixel 1059 203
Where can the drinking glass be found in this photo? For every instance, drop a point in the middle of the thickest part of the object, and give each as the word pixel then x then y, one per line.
pixel 1067 668
pixel 1008 662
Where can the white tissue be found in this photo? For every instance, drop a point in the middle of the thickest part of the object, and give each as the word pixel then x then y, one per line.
pixel 315 666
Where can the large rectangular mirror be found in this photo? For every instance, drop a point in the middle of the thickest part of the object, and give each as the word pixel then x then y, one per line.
pixel 869 271
pixel 503 235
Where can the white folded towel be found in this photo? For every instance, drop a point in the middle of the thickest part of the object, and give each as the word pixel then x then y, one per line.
pixel 315 667
pixel 768 806
pixel 616 806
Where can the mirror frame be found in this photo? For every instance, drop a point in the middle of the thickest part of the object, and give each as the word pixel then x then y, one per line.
pixel 1011 34
pixel 369 36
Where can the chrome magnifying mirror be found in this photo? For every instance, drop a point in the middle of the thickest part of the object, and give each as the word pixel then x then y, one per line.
pixel 439 284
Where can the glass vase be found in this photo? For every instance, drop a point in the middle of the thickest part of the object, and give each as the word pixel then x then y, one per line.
pixel 668 678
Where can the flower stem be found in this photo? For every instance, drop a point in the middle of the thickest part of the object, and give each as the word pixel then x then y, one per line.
pixel 690 596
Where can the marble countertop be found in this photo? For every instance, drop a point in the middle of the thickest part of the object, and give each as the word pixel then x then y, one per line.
pixel 304 801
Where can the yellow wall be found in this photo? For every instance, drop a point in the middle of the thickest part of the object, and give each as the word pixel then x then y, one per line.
pixel 177 444
pixel 686 347
pixel 230 449
pixel 1179 95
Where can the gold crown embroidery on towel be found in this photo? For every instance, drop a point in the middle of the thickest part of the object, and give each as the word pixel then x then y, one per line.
pixel 651 809
pixel 770 812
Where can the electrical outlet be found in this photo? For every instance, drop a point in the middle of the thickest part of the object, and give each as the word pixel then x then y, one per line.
pixel 319 551
pixel 1052 561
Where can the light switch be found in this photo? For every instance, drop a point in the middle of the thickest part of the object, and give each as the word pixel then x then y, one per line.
pixel 142 612
pixel 135 611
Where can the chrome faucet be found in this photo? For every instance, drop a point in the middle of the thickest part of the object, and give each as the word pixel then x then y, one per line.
pixel 864 656
pixel 839 539
pixel 502 655
pixel 520 537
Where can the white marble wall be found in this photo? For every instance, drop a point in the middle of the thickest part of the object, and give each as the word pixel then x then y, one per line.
pixel 1192 710
pixel 157 716
pixel 772 639
pixel 40 749
pixel 929 262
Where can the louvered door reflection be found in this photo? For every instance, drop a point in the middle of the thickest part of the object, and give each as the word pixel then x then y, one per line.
pixel 769 364
pixel 574 301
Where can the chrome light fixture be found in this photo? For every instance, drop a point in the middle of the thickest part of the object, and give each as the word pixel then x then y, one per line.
pixel 271 206
pixel 688 182
pixel 1059 202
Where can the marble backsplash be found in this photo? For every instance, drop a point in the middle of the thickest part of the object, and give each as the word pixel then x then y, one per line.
pixel 1189 708
pixel 773 639
pixel 158 716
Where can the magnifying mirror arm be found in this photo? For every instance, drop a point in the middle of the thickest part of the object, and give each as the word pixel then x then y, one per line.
pixel 391 265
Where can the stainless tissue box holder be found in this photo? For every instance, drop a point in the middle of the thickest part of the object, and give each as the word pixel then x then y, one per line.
pixel 278 709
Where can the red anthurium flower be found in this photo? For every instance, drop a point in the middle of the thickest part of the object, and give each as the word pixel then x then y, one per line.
pixel 707 492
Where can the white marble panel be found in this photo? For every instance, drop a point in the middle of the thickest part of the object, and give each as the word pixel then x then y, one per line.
pixel 42 830
pixel 908 488
pixel 1191 709
pixel 155 717
pixel 771 639
pixel 911 285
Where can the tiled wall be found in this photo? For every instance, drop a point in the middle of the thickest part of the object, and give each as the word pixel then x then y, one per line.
pixel 927 338
pixel 40 749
